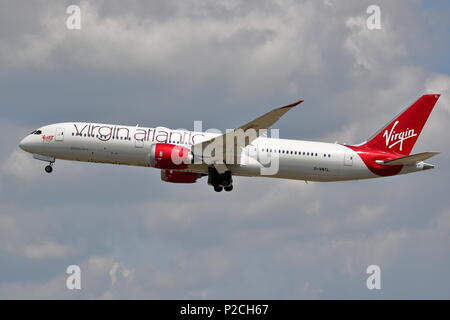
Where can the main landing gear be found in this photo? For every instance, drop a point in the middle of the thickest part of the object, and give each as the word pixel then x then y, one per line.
pixel 220 181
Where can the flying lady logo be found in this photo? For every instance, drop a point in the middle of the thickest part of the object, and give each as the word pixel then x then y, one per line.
pixel 393 138
pixel 47 139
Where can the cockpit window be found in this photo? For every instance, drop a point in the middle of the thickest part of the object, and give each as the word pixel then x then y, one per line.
pixel 36 132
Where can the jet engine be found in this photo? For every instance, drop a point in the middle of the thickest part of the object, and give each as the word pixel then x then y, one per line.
pixel 170 156
pixel 174 176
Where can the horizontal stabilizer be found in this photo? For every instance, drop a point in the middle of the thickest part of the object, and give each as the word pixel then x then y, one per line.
pixel 409 160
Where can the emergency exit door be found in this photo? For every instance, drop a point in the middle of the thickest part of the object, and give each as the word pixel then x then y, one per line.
pixel 348 160
pixel 59 136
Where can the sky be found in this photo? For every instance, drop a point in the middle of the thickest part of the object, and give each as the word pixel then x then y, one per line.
pixel 169 63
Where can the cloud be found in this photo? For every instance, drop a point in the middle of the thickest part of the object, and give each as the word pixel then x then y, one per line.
pixel 226 62
pixel 440 83
pixel 20 165
pixel 101 278
pixel 47 249
pixel 364 44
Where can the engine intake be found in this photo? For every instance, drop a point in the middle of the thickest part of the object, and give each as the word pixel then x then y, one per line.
pixel 170 156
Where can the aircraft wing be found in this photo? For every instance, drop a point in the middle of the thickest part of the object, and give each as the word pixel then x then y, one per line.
pixel 268 119
pixel 409 160
pixel 228 141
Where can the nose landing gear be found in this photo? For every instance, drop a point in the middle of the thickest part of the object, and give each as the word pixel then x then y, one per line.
pixel 50 161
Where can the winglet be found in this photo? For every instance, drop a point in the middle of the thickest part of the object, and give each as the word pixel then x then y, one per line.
pixel 293 104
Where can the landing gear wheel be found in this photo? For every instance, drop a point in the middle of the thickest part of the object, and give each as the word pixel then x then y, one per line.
pixel 226 178
pixel 227 183
pixel 48 169
pixel 220 181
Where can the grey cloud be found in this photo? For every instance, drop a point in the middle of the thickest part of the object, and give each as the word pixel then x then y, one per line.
pixel 169 63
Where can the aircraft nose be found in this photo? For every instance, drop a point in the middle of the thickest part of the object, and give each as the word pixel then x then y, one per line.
pixel 25 144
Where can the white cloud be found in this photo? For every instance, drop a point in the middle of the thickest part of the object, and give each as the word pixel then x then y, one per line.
pixel 371 49
pixel 46 249
pixel 440 83
pixel 136 237
pixel 101 278
pixel 117 271
pixel 252 49
pixel 21 165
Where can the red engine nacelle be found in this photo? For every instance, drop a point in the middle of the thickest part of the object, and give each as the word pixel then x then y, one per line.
pixel 169 156
pixel 174 176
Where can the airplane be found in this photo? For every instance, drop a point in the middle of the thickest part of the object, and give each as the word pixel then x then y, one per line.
pixel 181 157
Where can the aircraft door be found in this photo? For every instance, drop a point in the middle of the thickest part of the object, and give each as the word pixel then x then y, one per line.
pixel 348 160
pixel 59 136
pixel 139 143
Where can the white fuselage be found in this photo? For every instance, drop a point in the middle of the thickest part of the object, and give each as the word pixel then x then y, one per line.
pixel 126 145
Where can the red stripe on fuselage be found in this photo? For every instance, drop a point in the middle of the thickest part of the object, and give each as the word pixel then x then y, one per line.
pixel 369 157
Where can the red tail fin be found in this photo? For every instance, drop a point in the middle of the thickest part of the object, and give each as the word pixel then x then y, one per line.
pixel 400 135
